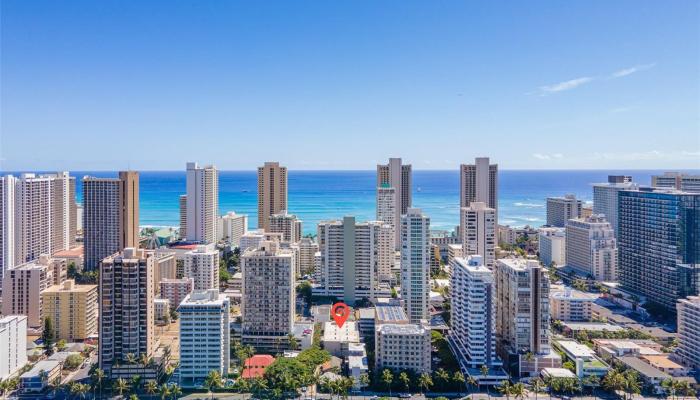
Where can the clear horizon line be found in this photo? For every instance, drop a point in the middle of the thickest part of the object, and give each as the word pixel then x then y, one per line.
pixel 352 170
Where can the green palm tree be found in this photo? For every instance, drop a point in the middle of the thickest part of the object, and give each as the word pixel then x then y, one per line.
pixel 164 391
pixel 175 391
pixel 212 381
pixel 519 391
pixel 388 379
pixel 458 378
pixel 505 388
pixel 443 377
pixel 151 387
pixel 472 382
pixel 537 385
pixel 403 377
pixel 130 358
pixel 364 380
pixel 425 381
pixel 120 386
pixel 98 376
pixel 133 397
pixel 135 382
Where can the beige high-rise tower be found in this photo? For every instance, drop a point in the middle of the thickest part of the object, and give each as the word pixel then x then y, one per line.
pixel 478 182
pixel 399 177
pixel 110 215
pixel 272 192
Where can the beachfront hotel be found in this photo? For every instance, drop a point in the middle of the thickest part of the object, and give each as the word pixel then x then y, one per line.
pixel 562 209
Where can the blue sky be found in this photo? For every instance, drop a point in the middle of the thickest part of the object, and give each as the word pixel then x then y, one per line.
pixel 342 85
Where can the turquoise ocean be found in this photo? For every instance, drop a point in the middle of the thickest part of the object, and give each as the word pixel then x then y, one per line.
pixel 321 195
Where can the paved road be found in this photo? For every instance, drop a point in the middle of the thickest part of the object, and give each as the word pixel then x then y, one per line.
pixel 474 396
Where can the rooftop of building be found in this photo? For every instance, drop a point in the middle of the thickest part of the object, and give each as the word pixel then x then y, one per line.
pixel 592 326
pixel 390 313
pixel 70 286
pixel 571 294
pixel 254 367
pixel 661 361
pixel 557 373
pixel 204 297
pixel 518 264
pixel 348 333
pixel 575 349
pixel 175 280
pixel 366 313
pixel 41 367
pixel 643 368
pixel 76 251
pixel 401 329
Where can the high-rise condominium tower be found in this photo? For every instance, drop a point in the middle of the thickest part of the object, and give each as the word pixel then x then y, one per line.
pixel 37 216
pixel 386 207
pixel 522 320
pixel 353 255
pixel 110 216
pixel 202 266
pixel 478 182
pixel 591 248
pixel 658 244
pixel 126 310
pixel 272 192
pixel 605 197
pixel 268 292
pixel 202 205
pixel 478 232
pixel 415 264
pixel 562 209
pixel 287 224
pixel 204 318
pixel 473 333
pixel 688 351
pixel 400 178
pixel 232 227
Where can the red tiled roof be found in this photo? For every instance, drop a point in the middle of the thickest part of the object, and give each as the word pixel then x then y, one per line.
pixel 74 252
pixel 255 366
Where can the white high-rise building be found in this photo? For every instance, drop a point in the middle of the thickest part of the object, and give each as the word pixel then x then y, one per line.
pixel 205 336
pixel 591 248
pixel 269 296
pixel 386 206
pixel 403 347
pixel 307 253
pixel 688 350
pixel 415 264
pixel 605 197
pixel 352 255
pixel 7 223
pixel 562 209
pixel 37 216
pixel 202 265
pixel 13 344
pixel 183 217
pixel 473 334
pixel 478 232
pixel 202 204
pixel 552 246
pixel 286 224
pixel 232 227
pixel 478 182
pixel 400 178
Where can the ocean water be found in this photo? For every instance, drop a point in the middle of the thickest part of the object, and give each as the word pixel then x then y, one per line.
pixel 321 195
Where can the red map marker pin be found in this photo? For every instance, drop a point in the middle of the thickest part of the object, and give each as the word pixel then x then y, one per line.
pixel 340 313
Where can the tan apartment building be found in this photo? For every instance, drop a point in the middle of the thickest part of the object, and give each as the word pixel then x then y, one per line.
pixel 72 308
pixel 22 287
